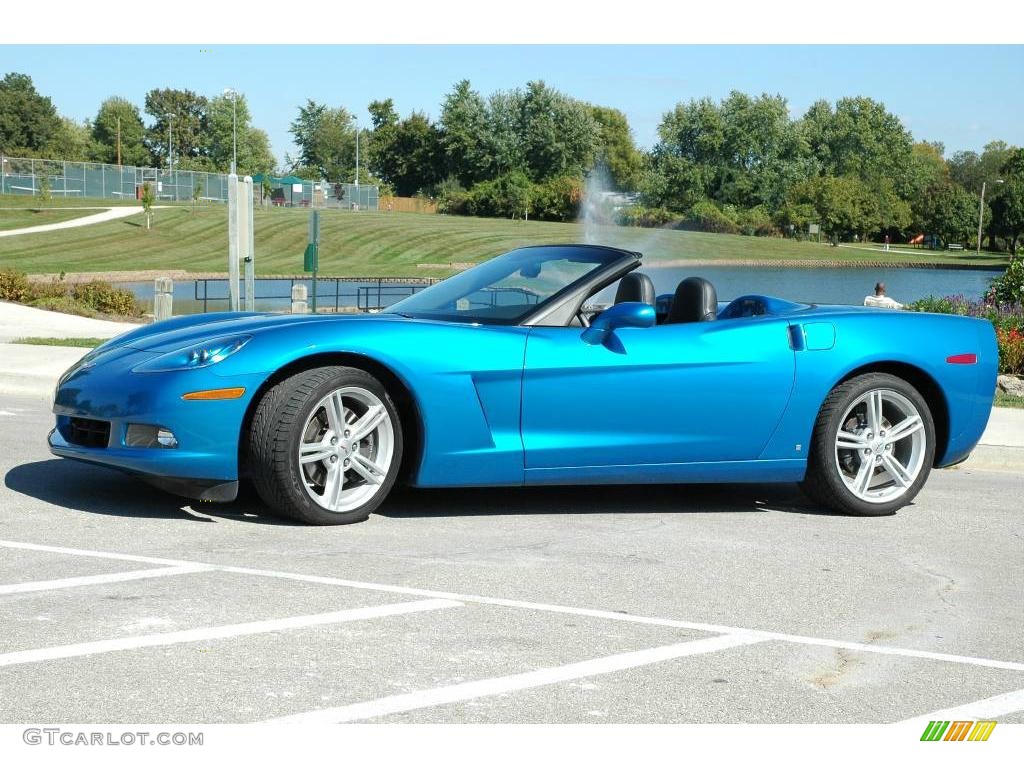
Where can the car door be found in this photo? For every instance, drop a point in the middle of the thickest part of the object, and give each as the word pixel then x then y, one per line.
pixel 669 394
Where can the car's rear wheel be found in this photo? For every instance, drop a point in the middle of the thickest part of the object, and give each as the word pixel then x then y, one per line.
pixel 325 445
pixel 872 448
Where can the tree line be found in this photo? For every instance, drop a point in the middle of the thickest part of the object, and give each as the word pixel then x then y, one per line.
pixel 198 129
pixel 742 164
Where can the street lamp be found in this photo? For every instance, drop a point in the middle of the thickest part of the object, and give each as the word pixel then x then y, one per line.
pixel 170 153
pixel 234 127
pixel 357 153
pixel 981 211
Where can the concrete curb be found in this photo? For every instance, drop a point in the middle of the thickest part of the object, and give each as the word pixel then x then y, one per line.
pixel 994 458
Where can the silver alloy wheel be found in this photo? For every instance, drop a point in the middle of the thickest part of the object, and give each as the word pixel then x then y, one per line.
pixel 346 449
pixel 880 446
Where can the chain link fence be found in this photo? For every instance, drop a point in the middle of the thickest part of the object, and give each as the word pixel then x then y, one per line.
pixel 69 179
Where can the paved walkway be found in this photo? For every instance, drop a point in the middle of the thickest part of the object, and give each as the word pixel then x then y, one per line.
pixel 18 321
pixel 108 214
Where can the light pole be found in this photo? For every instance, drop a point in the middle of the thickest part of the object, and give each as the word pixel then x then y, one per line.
pixel 981 211
pixel 357 153
pixel 234 127
pixel 170 153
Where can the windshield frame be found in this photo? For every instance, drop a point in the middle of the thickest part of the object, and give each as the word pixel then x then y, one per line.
pixel 556 309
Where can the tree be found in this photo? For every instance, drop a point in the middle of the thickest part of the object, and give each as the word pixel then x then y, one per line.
pixel 860 138
pixel 326 139
pixel 465 128
pixel 845 205
pixel 119 121
pixel 148 198
pixel 1008 203
pixel 408 155
pixel 187 121
pixel 970 170
pixel 28 120
pixel 559 134
pixel 254 155
pixel 743 151
pixel 616 149
pixel 949 211
pixel 72 141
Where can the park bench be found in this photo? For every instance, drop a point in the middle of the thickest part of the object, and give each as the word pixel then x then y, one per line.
pixel 954 246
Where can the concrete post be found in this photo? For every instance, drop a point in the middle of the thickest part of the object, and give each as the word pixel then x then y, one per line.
pixel 299 305
pixel 163 297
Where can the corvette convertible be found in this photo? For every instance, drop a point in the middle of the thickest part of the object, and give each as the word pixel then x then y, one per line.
pixel 508 374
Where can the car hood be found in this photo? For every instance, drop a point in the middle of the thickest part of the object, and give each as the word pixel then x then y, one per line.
pixel 180 332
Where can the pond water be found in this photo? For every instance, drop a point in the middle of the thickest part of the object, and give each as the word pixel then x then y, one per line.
pixel 848 285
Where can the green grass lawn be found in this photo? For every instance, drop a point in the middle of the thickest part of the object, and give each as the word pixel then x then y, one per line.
pixel 59 201
pixel 1004 400
pixel 15 218
pixel 48 341
pixel 380 244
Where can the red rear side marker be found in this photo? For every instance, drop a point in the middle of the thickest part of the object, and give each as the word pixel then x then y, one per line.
pixel 968 358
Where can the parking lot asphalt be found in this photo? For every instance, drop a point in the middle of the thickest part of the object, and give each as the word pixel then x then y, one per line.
pixel 119 603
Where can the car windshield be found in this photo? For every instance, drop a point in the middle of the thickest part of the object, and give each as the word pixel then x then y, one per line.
pixel 508 288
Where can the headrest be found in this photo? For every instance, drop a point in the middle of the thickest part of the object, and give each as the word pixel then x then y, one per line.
pixel 636 286
pixel 695 301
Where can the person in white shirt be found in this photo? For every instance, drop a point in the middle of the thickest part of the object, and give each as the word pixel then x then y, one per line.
pixel 880 299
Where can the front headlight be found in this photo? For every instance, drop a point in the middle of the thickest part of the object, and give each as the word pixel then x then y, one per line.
pixel 201 355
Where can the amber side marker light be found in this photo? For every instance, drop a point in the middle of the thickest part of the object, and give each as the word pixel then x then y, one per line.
pixel 964 359
pixel 231 393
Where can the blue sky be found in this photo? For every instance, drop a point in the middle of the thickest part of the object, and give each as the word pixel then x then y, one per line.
pixel 963 96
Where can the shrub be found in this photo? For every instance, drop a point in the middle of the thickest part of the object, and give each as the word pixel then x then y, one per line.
pixel 506 196
pixel 1011 350
pixel 89 299
pixel 14 286
pixel 103 297
pixel 757 222
pixel 705 216
pixel 64 304
pixel 641 216
pixel 1009 286
pixel 557 199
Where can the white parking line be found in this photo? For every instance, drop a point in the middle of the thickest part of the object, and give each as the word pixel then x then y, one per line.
pixel 985 709
pixel 495 685
pixel 93 553
pixel 218 633
pixel 593 613
pixel 102 578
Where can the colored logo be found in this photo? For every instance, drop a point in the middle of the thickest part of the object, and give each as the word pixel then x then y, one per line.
pixel 958 730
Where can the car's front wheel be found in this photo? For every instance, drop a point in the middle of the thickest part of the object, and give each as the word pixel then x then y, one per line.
pixel 325 445
pixel 872 448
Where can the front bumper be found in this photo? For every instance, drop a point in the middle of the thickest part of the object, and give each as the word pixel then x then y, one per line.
pixel 105 390
pixel 202 488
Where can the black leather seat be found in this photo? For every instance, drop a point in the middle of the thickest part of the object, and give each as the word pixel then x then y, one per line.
pixel 695 301
pixel 636 286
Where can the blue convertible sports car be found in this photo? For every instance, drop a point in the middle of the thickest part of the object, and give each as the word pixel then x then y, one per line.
pixel 503 375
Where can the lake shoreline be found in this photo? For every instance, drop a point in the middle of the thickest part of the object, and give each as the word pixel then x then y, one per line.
pixel 128 276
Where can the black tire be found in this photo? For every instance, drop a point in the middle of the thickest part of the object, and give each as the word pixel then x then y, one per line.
pixel 275 433
pixel 823 482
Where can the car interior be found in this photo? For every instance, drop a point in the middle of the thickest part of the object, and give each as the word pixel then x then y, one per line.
pixel 694 300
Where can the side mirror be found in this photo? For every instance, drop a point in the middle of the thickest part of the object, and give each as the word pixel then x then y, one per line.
pixel 628 314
